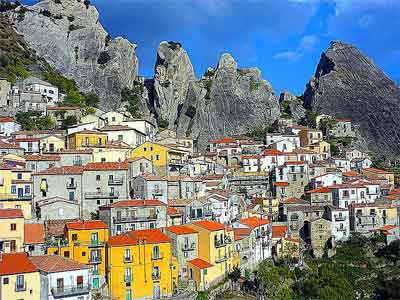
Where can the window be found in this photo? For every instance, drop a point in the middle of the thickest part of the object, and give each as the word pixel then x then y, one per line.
pixel 74 237
pixel 156 252
pixel 120 137
pixel 60 211
pixel 19 176
pixel 71 195
pixel 27 189
pixel 97 177
pixel 13 189
pixel 79 281
pixel 128 275
pixel 13 226
pixel 66 254
pixel 128 295
pixel 127 254
pixel 103 159
pixel 83 253
pixel 113 119
pixel 60 284
pixel 6 280
pixel 20 284
pixel 158 157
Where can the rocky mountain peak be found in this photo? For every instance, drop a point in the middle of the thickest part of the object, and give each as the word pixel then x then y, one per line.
pixel 227 61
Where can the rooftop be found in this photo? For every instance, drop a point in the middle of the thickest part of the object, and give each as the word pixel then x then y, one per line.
pixel 254 222
pixel 56 263
pixel 86 225
pixel 137 203
pixel 11 213
pixel 15 263
pixel 34 234
pixel 200 264
pixel 209 225
pixel 136 237
pixel 181 229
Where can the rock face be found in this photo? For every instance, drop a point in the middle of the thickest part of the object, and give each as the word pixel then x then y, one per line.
pixel 296 108
pixel 68 35
pixel 348 84
pixel 226 101
pixel 173 75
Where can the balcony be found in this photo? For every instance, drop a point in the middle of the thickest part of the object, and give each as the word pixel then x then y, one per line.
pixel 94 145
pixel 175 161
pixel 219 244
pixel 102 195
pixel 156 257
pixel 95 259
pixel 15 197
pixel 70 291
pixel 340 219
pixel 71 185
pixel 158 192
pixel 128 219
pixel 221 259
pixel 116 181
pixel 187 247
pixel 128 259
pixel 156 276
pixel 128 279
pixel 96 243
pixel 20 287
pixel 58 243
pixel 341 229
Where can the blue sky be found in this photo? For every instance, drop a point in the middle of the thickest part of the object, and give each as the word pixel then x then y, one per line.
pixel 284 38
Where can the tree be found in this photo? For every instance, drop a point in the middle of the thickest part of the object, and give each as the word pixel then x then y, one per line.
pixel 34 120
pixel 235 275
pixel 69 121
pixel 92 100
pixel 132 98
pixel 275 281
pixel 162 123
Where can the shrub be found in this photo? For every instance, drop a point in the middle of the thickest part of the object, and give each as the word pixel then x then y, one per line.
pixel 162 123
pixel 174 45
pixel 58 17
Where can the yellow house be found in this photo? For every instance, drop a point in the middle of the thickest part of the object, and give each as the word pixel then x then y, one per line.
pixel 11 230
pixel 85 242
pixel 5 181
pixel 141 265
pixel 19 277
pixel 111 153
pixel 165 159
pixel 52 143
pixel 321 147
pixel 87 139
pixel 21 192
pixel 216 257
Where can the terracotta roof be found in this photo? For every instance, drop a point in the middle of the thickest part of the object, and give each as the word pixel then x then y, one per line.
pixel 56 263
pixel 69 170
pixel 137 203
pixel 293 240
pixel 42 157
pixel 103 166
pixel 86 225
pixel 281 183
pixel 150 236
pixel 25 139
pixel 6 119
pixel 76 151
pixel 350 174
pixel 11 213
pixel 254 222
pixel 34 233
pixel 209 225
pixel 271 152
pixel 181 229
pixel 377 171
pixel 132 159
pixel 200 264
pixel 56 227
pixel 394 191
pixel 224 140
pixel 392 197
pixel 32 132
pixel 149 177
pixel 319 190
pixel 294 200
pixel 240 233
pixel 172 211
pixel 85 131
pixel 116 128
pixel 15 263
pixel 279 231
pixel 4 145
pixel 295 163
pixel 64 107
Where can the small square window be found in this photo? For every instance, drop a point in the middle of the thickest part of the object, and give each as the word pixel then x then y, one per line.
pixel 83 253
pixel 13 226
pixel 5 280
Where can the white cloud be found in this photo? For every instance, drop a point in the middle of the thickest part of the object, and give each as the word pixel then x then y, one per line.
pixel 306 44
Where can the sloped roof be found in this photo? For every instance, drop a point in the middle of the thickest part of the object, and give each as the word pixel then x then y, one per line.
pixel 11 213
pixel 209 225
pixel 56 263
pixel 150 236
pixel 200 264
pixel 86 225
pixel 254 221
pixel 181 229
pixel 15 263
pixel 34 233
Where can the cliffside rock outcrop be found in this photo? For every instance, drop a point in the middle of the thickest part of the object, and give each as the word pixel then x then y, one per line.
pixel 293 105
pixel 68 35
pixel 173 75
pixel 348 84
pixel 226 101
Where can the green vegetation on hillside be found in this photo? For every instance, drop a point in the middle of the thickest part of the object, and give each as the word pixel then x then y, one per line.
pixel 132 98
pixel 361 269
pixel 34 121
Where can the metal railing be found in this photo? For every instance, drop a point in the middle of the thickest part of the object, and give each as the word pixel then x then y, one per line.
pixel 134 219
pixel 5 196
pixel 94 195
pixel 221 259
pixel 95 259
pixel 71 185
pixel 69 291
pixel 189 247
pixel 116 181
pixel 339 219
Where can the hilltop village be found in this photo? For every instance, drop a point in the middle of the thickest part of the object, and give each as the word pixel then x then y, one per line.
pixel 110 206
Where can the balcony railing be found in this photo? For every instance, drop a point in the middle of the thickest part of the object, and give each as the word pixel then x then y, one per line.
pixel 5 196
pixel 340 219
pixel 157 191
pixel 221 259
pixel 71 185
pixel 219 244
pixel 134 219
pixel 20 287
pixel 116 181
pixel 95 244
pixel 58 243
pixel 69 291
pixel 106 195
pixel 95 259
pixel 189 247
pixel 156 257
pixel 128 279
pixel 175 161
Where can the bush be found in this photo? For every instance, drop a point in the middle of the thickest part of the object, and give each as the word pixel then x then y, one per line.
pixel 162 123
pixel 58 17
pixel 68 122
pixel 33 120
pixel 132 98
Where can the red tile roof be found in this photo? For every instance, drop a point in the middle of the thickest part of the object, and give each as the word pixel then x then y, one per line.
pixel 15 263
pixel 103 166
pixel 150 236
pixel 279 231
pixel 224 140
pixel 25 139
pixel 295 163
pixel 200 264
pixel 181 229
pixel 55 264
pixel 86 225
pixel 281 183
pixel 377 171
pixel 86 131
pixel 294 200
pixel 254 222
pixel 350 174
pixel 4 145
pixel 240 233
pixel 34 233
pixel 172 211
pixel 6 119
pixel 137 203
pixel 69 170
pixel 394 191
pixel 209 225
pixel 319 190
pixel 42 157
pixel 11 213
pixel 271 152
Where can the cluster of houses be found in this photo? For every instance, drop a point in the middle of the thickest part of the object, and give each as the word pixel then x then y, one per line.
pixel 113 207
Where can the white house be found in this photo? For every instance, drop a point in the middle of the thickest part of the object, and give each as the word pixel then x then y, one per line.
pixel 345 194
pixel 340 222
pixel 62 278
pixel 270 159
pixel 45 88
pixel 342 164
pixel 142 125
pixel 224 205
pixel 29 144
pixel 327 179
pixel 82 126
pixel 125 134
pixel 283 146
pixel 8 125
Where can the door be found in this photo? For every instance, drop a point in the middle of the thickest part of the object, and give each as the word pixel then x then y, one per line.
pixel 20 192
pixel 60 284
pixel 95 237
pixel 156 292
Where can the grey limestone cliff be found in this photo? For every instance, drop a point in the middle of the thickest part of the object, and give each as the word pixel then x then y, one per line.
pixel 68 35
pixel 348 84
pixel 293 104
